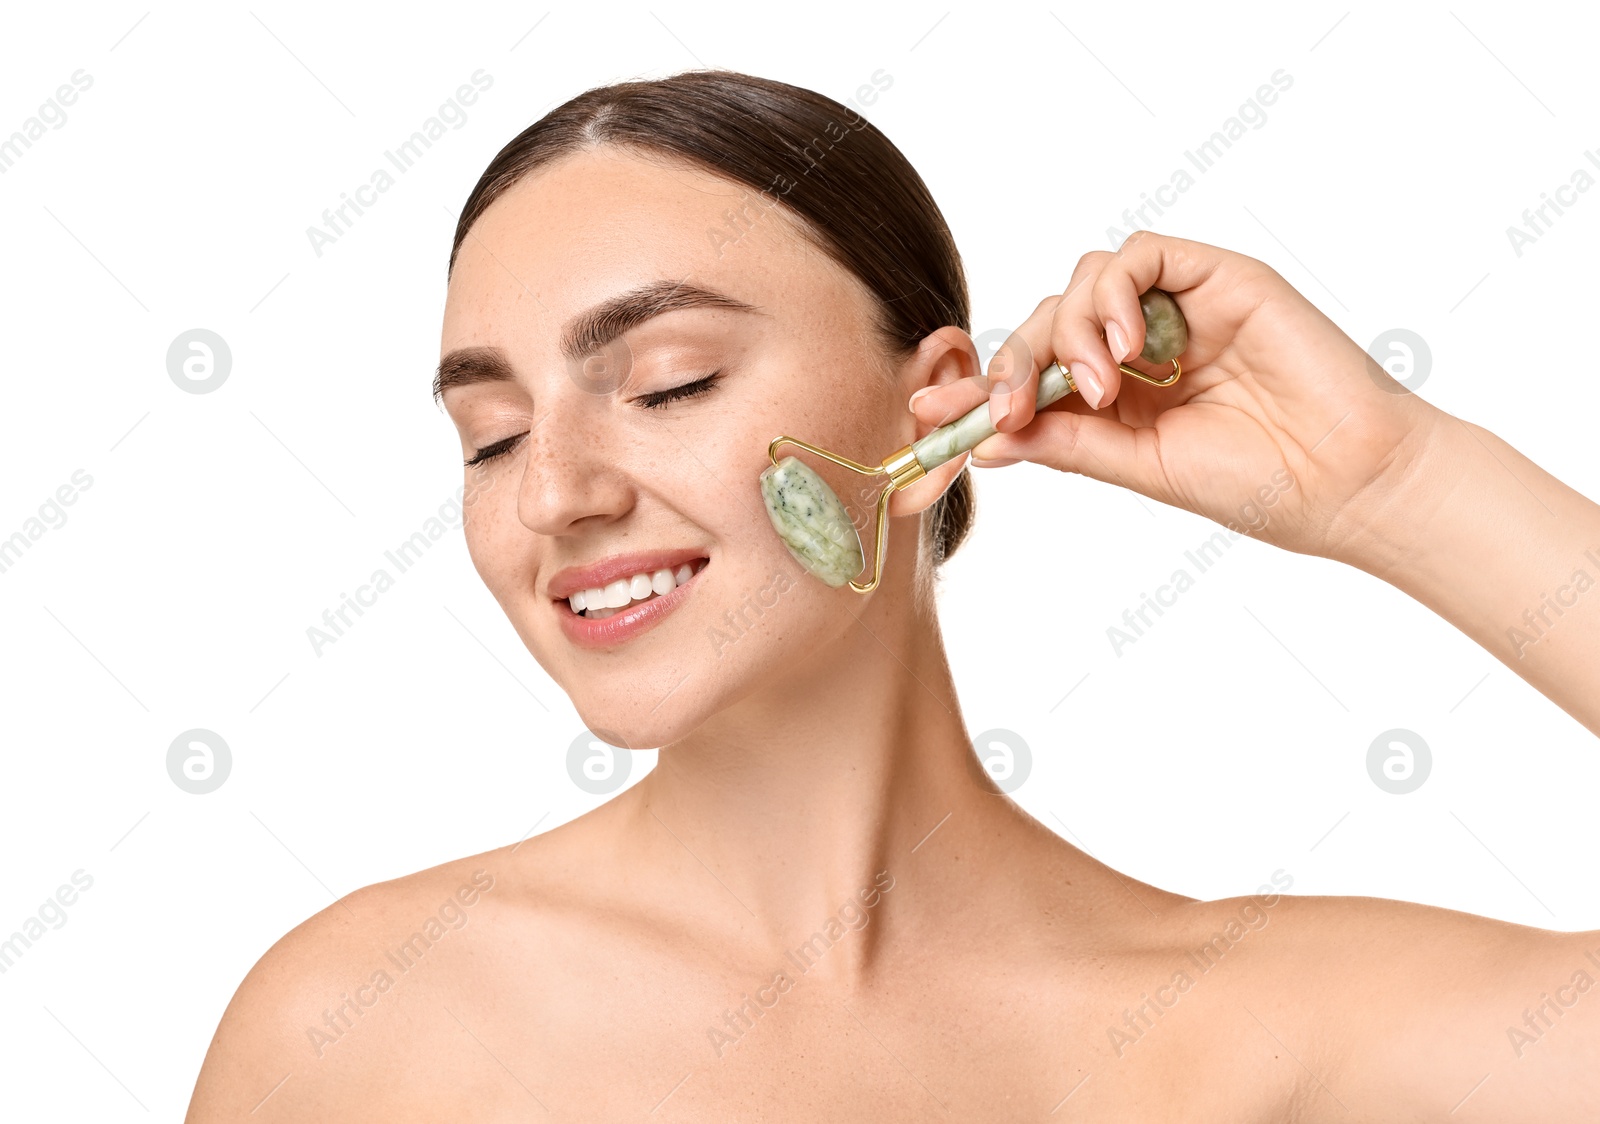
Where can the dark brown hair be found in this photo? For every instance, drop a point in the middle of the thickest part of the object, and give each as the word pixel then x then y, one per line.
pixel 858 197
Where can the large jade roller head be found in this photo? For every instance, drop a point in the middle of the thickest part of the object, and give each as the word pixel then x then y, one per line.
pixel 816 526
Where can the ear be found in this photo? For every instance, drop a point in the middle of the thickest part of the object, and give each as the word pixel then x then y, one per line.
pixel 945 356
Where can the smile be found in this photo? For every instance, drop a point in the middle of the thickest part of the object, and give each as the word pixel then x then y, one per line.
pixel 600 602
pixel 605 613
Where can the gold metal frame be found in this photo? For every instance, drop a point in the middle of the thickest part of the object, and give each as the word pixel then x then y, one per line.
pixel 1140 375
pixel 903 469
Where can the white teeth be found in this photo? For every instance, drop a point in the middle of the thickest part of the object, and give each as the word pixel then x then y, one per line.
pixel 598 603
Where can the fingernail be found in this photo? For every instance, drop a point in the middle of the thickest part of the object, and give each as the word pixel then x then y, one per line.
pixel 979 462
pixel 1088 384
pixel 999 408
pixel 912 403
pixel 1116 341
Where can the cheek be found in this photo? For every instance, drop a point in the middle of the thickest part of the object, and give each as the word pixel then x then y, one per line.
pixel 767 627
pixel 493 536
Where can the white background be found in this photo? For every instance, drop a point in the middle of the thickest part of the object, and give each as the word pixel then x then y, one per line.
pixel 1228 742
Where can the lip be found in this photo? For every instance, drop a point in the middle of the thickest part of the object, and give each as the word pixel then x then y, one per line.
pixel 602 573
pixel 624 626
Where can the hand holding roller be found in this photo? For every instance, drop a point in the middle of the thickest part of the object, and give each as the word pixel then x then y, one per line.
pixel 817 528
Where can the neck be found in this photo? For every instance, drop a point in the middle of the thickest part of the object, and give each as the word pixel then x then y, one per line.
pixel 851 770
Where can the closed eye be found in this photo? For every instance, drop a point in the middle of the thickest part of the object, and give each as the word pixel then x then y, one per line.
pixel 498 449
pixel 652 401
pixel 660 398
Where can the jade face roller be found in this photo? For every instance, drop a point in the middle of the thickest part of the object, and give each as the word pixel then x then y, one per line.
pixel 815 525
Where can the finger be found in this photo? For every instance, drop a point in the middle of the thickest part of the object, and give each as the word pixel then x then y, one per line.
pixel 1014 370
pixel 1147 261
pixel 1027 351
pixel 941 405
pixel 1088 444
pixel 937 406
pixel 1076 341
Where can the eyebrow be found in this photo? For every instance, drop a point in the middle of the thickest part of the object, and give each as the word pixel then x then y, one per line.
pixel 587 332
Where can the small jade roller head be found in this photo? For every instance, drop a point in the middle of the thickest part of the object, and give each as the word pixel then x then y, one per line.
pixel 812 522
pixel 816 526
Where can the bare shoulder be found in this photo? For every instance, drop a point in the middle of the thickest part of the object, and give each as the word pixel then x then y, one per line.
pixel 300 1027
pixel 1377 1009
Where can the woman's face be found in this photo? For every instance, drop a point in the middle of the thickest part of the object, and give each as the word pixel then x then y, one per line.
pixel 603 476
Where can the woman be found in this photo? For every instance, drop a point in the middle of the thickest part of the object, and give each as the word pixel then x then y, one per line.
pixel 818 906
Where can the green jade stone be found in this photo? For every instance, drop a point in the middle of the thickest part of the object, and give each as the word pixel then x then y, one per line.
pixel 812 522
pixel 1166 332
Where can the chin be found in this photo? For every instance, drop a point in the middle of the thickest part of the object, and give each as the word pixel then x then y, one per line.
pixel 653 705
pixel 630 723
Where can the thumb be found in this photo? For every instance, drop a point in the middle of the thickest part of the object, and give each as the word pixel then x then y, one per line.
pixel 1099 447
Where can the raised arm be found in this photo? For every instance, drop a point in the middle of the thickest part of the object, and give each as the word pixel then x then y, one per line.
pixel 1283 428
pixel 1499 548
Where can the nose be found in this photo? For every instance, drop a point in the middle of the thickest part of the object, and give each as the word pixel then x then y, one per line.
pixel 571 473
